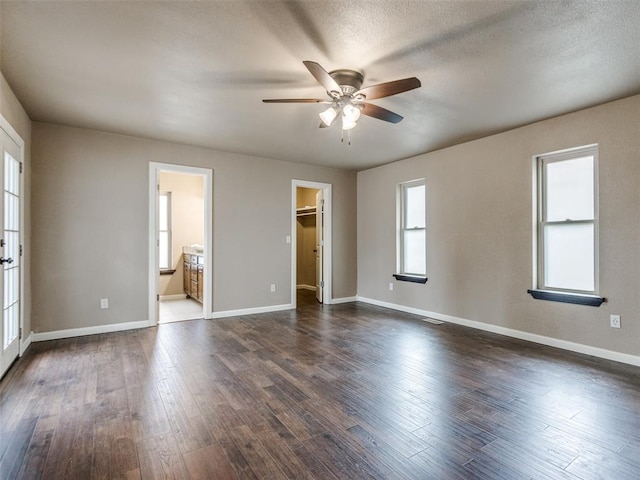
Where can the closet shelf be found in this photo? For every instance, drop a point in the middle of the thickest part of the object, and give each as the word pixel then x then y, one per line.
pixel 305 211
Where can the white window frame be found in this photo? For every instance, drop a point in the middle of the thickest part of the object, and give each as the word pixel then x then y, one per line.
pixel 167 194
pixel 402 227
pixel 540 162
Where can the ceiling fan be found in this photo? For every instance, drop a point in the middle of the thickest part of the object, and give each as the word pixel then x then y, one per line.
pixel 348 98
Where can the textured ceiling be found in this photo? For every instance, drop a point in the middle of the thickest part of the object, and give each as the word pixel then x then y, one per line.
pixel 196 72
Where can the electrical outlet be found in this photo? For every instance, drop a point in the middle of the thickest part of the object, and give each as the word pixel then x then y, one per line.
pixel 391 286
pixel 287 239
pixel 104 303
pixel 273 287
pixel 614 320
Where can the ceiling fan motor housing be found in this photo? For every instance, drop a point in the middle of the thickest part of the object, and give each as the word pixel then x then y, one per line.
pixel 350 81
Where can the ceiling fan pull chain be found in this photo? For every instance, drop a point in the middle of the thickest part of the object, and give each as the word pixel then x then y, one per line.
pixel 348 137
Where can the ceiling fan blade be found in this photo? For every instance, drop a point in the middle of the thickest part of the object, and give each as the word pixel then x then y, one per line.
pixel 388 88
pixel 380 113
pixel 294 100
pixel 324 79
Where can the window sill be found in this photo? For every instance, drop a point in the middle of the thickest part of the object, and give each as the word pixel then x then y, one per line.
pixel 410 278
pixel 167 272
pixel 576 298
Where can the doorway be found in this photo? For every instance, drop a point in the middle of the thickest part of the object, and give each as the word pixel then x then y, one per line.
pixel 180 277
pixel 11 282
pixel 311 240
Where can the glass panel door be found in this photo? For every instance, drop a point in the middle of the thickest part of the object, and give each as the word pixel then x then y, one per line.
pixel 10 251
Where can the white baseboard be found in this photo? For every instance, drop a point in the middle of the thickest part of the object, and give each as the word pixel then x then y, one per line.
pixel 25 343
pixel 336 301
pixel 509 332
pixel 306 287
pixel 116 327
pixel 79 332
pixel 175 296
pixel 251 311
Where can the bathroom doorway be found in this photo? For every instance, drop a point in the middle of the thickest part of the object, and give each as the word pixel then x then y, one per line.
pixel 181 279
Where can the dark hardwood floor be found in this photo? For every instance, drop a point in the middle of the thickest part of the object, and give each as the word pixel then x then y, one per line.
pixel 348 391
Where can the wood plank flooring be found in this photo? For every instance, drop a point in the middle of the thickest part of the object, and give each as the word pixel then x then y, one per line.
pixel 347 391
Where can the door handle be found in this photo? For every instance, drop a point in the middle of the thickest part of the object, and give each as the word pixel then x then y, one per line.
pixel 5 260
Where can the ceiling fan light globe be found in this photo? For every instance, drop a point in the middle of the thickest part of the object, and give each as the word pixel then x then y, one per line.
pixel 351 113
pixel 328 116
pixel 347 124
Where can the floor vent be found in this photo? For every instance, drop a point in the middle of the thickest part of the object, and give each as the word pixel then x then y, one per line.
pixel 432 320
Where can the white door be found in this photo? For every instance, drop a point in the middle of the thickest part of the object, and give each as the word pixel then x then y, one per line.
pixel 10 251
pixel 319 244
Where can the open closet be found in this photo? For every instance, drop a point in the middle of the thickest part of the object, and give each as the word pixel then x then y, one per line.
pixel 309 234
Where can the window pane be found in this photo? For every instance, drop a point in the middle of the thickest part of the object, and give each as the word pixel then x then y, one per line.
pixel 569 189
pixel 11 174
pixel 569 256
pixel 164 250
pixel 11 285
pixel 163 214
pixel 414 207
pixel 11 212
pixel 414 252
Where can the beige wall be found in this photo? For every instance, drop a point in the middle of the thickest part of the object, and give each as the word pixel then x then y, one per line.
pixel 90 226
pixel 13 112
pixel 479 229
pixel 187 222
pixel 306 238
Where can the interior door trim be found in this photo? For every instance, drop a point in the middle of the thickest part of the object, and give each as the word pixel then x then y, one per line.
pixel 154 170
pixel 326 254
pixel 13 135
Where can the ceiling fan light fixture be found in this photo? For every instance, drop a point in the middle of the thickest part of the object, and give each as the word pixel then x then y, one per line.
pixel 348 99
pixel 328 116
pixel 351 113
pixel 347 124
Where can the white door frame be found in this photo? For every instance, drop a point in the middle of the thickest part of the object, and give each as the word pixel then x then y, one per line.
pixel 326 254
pixel 154 170
pixel 319 241
pixel 13 134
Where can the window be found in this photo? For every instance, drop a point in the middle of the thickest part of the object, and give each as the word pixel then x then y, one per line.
pixel 568 222
pixel 164 230
pixel 412 251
